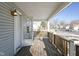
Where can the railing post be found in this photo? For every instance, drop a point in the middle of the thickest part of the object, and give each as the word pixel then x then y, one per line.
pixel 77 50
pixel 53 39
pixel 72 49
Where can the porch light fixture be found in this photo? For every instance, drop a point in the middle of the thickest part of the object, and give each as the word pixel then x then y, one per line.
pixel 14 13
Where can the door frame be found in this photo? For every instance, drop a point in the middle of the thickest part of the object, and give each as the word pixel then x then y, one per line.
pixel 15 29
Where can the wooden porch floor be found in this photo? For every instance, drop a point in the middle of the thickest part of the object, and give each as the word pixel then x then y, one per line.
pixel 40 47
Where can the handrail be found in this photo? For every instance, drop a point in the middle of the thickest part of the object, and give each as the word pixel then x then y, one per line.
pixel 60 43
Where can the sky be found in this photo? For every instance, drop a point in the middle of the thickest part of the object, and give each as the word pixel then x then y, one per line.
pixel 69 14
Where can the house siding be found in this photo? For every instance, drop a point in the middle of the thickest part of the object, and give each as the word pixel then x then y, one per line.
pixel 7 28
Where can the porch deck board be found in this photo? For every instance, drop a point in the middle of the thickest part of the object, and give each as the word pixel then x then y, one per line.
pixel 41 47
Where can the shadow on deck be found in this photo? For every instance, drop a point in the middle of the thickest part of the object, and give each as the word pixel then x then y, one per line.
pixel 24 51
pixel 51 50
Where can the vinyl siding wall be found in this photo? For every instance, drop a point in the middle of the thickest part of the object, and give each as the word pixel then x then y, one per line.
pixel 7 28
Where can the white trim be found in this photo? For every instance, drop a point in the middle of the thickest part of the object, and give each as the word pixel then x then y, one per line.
pixel 32 29
pixel 16 49
pixel 22 37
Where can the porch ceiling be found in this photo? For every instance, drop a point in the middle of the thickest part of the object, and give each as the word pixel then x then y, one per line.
pixel 40 10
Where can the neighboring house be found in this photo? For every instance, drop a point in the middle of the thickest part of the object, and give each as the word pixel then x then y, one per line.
pixel 74 25
pixel 67 26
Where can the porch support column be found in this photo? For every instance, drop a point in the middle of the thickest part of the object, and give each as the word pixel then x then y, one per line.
pixel 48 26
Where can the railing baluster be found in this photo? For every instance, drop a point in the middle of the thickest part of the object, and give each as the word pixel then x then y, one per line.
pixel 60 43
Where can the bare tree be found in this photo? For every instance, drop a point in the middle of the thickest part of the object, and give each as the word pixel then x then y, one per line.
pixel 44 24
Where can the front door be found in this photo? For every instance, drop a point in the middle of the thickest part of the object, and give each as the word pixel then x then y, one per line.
pixel 28 33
